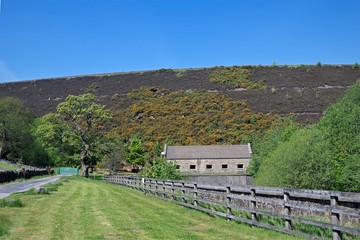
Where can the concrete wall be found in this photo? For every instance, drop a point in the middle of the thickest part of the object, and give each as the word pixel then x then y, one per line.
pixel 212 165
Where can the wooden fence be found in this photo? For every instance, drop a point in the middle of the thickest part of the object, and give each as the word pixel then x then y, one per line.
pixel 280 209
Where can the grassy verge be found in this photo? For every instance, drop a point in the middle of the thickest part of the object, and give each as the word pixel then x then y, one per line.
pixel 7 167
pixel 87 209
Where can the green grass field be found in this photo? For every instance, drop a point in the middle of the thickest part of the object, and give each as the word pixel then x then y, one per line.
pixel 89 209
pixel 4 166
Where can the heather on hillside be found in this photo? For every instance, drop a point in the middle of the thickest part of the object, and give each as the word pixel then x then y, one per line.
pixel 188 118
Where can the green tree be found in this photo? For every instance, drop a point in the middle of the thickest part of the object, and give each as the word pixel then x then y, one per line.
pixel 135 153
pixel 283 130
pixel 305 161
pixel 321 156
pixel 159 168
pixel 83 123
pixel 15 120
pixel 48 132
pixel 113 153
pixel 157 150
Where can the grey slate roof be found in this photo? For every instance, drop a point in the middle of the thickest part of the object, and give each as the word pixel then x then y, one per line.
pixel 208 152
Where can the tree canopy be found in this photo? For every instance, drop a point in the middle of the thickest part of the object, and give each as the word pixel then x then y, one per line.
pixel 322 156
pixel 15 122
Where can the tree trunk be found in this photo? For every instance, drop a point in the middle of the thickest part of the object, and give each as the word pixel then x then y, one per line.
pixel 84 154
pixel 84 168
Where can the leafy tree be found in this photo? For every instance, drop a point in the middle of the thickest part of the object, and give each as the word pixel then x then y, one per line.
pixel 48 132
pixel 113 153
pixel 83 124
pixel 341 126
pixel 283 130
pixel 135 153
pixel 15 120
pixel 161 169
pixel 322 156
pixel 302 162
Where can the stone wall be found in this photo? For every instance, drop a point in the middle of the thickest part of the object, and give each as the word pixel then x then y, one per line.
pixel 222 180
pixel 209 166
pixel 8 176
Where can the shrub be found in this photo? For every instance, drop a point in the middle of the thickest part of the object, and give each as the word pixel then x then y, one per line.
pixel 161 169
pixel 322 156
pixel 237 77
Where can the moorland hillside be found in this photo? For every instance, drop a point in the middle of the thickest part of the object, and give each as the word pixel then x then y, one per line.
pixel 305 90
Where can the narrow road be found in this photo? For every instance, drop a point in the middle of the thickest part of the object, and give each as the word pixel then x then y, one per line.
pixel 10 188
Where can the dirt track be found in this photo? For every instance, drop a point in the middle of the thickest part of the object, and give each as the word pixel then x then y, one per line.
pixel 7 189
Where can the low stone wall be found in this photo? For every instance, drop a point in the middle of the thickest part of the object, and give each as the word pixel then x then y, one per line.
pixel 8 176
pixel 221 179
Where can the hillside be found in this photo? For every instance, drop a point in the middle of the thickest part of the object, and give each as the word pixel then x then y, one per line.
pixel 302 89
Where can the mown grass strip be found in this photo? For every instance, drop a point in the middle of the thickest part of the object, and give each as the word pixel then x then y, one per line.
pixel 88 209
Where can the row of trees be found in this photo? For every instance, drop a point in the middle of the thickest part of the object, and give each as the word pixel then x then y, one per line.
pixel 78 134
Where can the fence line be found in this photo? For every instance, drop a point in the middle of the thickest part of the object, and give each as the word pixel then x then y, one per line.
pixel 250 204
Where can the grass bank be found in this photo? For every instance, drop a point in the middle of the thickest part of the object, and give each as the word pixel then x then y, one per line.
pixel 7 167
pixel 88 209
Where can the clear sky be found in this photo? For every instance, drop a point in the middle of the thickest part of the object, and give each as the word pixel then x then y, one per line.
pixel 53 38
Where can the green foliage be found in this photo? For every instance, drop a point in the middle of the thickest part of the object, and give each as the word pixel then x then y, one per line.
pixel 15 122
pixel 135 153
pixel 322 156
pixel 48 132
pixel 83 122
pixel 157 149
pixel 318 64
pixel 356 66
pixel 281 132
pixel 188 118
pixel 75 133
pixel 302 162
pixel 236 77
pixel 113 153
pixel 161 169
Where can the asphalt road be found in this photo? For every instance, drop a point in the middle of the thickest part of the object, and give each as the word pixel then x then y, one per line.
pixel 7 189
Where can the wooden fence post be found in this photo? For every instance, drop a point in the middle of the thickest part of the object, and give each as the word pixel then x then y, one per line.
pixel 253 205
pixel 182 192
pixel 164 189
pixel 335 217
pixel 172 190
pixel 156 188
pixel 228 203
pixel 145 186
pixel 195 192
pixel 287 210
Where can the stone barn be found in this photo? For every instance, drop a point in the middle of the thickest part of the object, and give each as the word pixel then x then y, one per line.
pixel 217 159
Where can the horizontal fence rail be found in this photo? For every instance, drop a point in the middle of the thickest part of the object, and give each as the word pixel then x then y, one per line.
pixel 339 212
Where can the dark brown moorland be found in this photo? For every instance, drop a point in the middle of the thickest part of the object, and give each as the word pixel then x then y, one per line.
pixel 304 90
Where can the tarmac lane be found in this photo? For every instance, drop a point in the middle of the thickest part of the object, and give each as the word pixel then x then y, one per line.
pixel 7 189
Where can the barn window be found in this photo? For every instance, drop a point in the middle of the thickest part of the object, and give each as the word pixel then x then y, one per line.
pixel 224 166
pixel 208 166
pixel 192 166
pixel 240 166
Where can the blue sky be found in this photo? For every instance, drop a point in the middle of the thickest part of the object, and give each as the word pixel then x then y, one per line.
pixel 53 38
